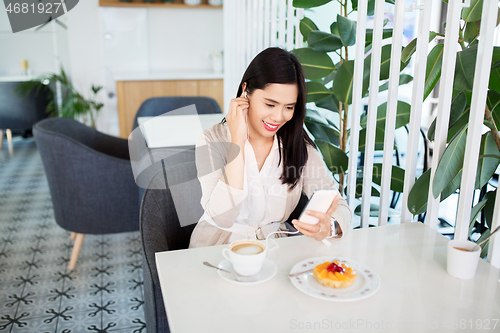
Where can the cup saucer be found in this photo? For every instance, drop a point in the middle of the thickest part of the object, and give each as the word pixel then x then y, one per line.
pixel 268 270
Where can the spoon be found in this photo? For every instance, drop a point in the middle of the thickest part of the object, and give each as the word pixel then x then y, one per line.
pixel 484 240
pixel 237 277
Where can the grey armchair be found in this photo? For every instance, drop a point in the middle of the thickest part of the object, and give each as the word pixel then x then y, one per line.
pixel 19 114
pixel 90 179
pixel 162 231
pixel 157 106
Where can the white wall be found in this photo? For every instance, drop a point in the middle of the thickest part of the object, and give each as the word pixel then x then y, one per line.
pixel 41 48
pixel 101 41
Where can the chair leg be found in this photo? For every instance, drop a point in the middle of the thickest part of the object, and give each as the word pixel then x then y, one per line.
pixel 9 139
pixel 76 251
pixel 1 138
pixel 72 235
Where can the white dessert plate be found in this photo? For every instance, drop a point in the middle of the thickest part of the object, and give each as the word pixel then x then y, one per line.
pixel 268 270
pixel 366 284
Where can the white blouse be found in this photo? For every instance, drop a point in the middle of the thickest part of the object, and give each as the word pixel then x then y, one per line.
pixel 265 200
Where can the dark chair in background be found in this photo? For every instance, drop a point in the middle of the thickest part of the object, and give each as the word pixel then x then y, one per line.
pixel 162 231
pixel 90 180
pixel 19 114
pixel 157 106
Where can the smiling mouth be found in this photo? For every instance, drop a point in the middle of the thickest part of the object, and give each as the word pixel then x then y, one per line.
pixel 270 127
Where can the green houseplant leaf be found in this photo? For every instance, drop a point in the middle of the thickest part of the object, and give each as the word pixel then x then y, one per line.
pixel 316 91
pixel 379 139
pixel 409 49
pixel 306 26
pixel 451 162
pixel 330 103
pixel 323 41
pixel 320 128
pixel 417 198
pixel 487 165
pixel 347 30
pixel 342 85
pixel 309 3
pixel 316 64
pixel 386 33
pixel 458 104
pixel 402 115
pixel 433 69
pixel 397 177
pixel 403 79
pixel 473 13
pixel 335 158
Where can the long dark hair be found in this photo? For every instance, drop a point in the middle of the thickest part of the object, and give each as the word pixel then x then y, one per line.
pixel 275 65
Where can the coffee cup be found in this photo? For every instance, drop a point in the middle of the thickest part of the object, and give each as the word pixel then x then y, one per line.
pixel 462 258
pixel 246 256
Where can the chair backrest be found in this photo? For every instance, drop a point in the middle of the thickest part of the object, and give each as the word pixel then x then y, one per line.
pixel 157 106
pixel 162 230
pixel 20 113
pixel 92 192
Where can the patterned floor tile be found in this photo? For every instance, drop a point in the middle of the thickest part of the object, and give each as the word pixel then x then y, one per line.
pixel 37 292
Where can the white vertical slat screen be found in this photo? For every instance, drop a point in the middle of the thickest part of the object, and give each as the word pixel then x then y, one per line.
pixel 372 111
pixel 392 101
pixel 356 104
pixel 478 102
pixel 416 106
pixel 276 23
pixel 251 26
pixel 444 103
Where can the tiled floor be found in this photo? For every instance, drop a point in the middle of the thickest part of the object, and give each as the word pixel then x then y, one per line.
pixel 37 292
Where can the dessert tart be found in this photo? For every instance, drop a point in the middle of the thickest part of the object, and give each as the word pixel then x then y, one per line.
pixel 334 275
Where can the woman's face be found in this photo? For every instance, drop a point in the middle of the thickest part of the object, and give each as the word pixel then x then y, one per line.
pixel 270 109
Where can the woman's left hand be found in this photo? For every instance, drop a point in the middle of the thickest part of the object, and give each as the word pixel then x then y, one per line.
pixel 321 230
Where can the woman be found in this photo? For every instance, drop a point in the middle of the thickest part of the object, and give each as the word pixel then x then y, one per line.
pixel 254 165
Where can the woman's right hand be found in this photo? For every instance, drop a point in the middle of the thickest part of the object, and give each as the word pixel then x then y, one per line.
pixel 236 119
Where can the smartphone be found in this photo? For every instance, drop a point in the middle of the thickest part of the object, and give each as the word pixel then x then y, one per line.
pixel 320 201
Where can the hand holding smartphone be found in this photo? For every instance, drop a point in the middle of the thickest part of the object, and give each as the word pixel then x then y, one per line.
pixel 320 201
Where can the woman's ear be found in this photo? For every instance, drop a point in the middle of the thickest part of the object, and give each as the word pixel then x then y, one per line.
pixel 244 87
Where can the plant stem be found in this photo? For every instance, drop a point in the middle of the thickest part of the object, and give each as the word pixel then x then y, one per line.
pixel 461 39
pixel 494 132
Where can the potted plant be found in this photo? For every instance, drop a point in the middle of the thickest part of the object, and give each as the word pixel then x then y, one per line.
pixel 73 104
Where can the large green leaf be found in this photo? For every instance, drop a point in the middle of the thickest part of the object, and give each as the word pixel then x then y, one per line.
pixel 397 177
pixel 417 198
pixel 379 139
pixel 473 13
pixel 471 31
pixel 487 165
pixel 316 92
pixel 330 77
pixel 347 30
pixel 334 28
pixel 323 41
pixel 385 64
pixel 493 103
pixel 359 187
pixel 490 207
pixel 475 212
pixel 320 129
pixel 306 26
pixel 330 103
pixel 386 33
pixel 464 71
pixel 409 49
pixel 458 104
pixel 459 124
pixel 402 115
pixel 316 64
pixel 433 69
pixel 450 163
pixel 403 79
pixel 342 85
pixel 335 158
pixel 494 83
pixel 309 3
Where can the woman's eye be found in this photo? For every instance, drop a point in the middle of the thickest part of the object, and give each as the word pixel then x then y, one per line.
pixel 290 108
pixel 270 105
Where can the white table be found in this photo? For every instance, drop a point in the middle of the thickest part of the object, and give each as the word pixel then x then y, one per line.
pixel 176 130
pixel 416 293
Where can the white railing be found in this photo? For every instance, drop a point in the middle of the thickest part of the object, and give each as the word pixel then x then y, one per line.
pixel 250 26
pixel 273 23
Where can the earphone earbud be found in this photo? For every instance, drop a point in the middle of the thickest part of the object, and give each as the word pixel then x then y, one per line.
pixel 245 94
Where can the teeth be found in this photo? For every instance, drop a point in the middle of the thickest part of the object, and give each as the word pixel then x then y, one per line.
pixel 269 125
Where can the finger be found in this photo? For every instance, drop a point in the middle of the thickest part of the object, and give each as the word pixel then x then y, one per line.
pixel 317 214
pixel 313 228
pixel 305 232
pixel 333 206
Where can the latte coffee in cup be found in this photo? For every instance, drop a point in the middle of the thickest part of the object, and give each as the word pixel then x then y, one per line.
pixel 246 256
